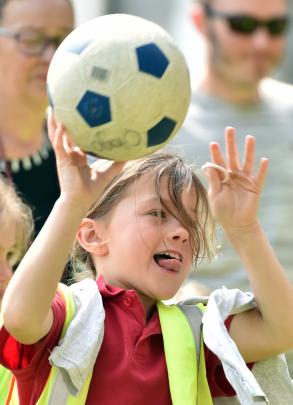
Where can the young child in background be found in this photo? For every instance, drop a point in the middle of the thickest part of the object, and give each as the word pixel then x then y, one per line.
pixel 16 231
pixel 148 221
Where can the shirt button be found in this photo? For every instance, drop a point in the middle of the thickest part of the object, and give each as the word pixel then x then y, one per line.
pixel 128 301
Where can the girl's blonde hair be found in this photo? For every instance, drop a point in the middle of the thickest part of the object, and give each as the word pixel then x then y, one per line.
pixel 180 176
pixel 14 210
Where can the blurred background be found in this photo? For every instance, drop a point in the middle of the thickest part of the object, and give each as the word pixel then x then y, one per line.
pixel 173 15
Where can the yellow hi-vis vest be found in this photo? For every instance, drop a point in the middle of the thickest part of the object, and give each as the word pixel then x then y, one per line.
pixel 54 375
pixel 186 368
pixel 7 385
pixel 7 381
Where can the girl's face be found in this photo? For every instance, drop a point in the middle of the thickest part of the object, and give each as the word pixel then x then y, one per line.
pixel 148 249
pixel 8 255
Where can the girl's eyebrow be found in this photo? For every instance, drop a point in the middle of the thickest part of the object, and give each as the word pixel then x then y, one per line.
pixel 153 199
pixel 150 199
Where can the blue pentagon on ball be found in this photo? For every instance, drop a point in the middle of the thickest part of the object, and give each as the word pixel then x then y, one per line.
pixel 151 60
pixel 94 109
pixel 160 132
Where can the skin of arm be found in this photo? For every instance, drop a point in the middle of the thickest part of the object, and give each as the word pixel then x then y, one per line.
pixel 26 308
pixel 268 331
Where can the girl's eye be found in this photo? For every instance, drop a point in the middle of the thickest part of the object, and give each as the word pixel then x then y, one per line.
pixel 158 214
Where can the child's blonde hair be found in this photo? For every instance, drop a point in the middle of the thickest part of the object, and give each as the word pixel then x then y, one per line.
pixel 180 176
pixel 14 210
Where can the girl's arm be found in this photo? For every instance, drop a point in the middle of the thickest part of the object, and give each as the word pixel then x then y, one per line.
pixel 27 301
pixel 267 331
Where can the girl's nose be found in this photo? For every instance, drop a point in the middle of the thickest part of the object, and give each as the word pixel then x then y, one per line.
pixel 178 231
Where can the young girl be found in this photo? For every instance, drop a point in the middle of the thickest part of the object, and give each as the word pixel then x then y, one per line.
pixel 16 230
pixel 147 222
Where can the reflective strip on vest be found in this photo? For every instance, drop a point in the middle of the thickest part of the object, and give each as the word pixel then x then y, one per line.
pixel 56 391
pixel 12 399
pixel 187 380
pixel 194 317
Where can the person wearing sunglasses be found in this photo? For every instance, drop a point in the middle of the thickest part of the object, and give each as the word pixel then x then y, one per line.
pixel 248 24
pixel 245 41
pixel 30 32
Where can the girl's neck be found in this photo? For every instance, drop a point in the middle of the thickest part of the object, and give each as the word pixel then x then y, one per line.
pixel 148 305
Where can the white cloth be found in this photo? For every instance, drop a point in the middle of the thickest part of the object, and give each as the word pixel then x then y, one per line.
pixel 221 304
pixel 76 353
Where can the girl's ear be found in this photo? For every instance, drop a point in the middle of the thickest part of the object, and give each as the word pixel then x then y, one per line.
pixel 90 239
pixel 199 19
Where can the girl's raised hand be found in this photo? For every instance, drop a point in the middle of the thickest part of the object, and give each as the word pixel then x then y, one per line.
pixel 234 189
pixel 79 182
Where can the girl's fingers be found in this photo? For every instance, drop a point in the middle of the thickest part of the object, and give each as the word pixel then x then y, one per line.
pixel 231 149
pixel 68 145
pixel 114 169
pixel 106 174
pixel 261 174
pixel 217 159
pixel 57 136
pixel 214 179
pixel 58 143
pixel 221 169
pixel 51 125
pixel 216 154
pixel 69 142
pixel 248 158
pixel 58 131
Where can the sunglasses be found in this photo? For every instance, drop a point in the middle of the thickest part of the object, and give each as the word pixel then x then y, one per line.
pixel 31 41
pixel 247 25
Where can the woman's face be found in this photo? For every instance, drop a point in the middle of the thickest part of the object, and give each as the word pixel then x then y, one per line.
pixel 23 76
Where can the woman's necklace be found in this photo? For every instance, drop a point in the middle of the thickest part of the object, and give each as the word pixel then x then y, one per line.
pixel 5 166
pixel 9 166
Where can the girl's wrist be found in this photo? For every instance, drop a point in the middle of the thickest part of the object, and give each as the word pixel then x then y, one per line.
pixel 241 234
pixel 73 205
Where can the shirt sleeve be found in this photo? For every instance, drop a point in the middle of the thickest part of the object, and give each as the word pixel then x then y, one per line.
pixel 218 383
pixel 16 356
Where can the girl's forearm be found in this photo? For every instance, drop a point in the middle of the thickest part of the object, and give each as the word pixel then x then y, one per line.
pixel 271 287
pixel 28 298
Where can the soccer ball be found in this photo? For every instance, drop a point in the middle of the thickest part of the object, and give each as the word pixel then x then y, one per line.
pixel 120 87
